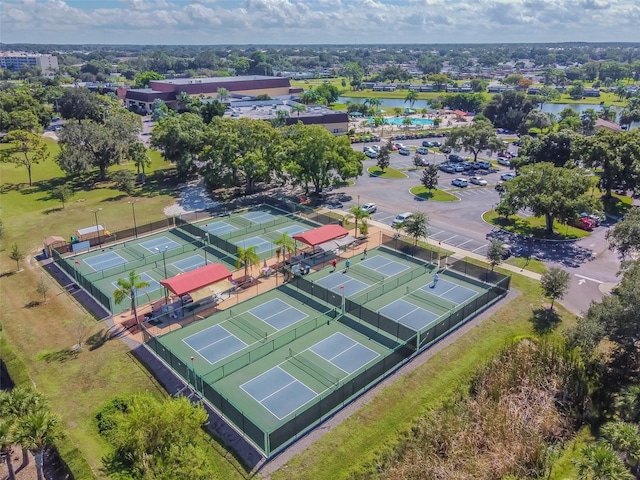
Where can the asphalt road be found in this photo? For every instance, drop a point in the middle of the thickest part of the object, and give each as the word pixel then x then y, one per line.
pixel 592 265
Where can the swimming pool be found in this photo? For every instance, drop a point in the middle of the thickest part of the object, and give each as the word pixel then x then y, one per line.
pixel 400 120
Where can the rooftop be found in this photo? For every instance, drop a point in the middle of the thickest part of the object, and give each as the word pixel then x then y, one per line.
pixel 268 109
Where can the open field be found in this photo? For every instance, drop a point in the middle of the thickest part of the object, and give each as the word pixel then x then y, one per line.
pixel 37 338
pixel 533 226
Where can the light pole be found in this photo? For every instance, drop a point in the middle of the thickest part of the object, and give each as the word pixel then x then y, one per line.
pixel 133 210
pixel 164 264
pixel 204 242
pixel 95 214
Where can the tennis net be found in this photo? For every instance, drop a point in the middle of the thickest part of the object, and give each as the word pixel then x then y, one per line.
pixel 425 297
pixel 249 328
pixel 131 251
pixel 368 273
pixel 315 371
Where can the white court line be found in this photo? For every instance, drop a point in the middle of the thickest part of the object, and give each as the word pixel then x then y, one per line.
pixel 279 390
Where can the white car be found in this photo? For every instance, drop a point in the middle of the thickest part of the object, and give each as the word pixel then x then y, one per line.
pixel 459 182
pixel 478 181
pixel 371 154
pixel 369 208
pixel 507 176
pixel 504 161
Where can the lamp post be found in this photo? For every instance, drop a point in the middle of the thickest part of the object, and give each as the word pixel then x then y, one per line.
pixel 204 242
pixel 164 264
pixel 95 214
pixel 133 210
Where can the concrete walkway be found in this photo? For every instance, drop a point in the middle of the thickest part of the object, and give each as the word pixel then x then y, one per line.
pixel 458 252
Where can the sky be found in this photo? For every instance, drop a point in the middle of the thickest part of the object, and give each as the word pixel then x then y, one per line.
pixel 291 22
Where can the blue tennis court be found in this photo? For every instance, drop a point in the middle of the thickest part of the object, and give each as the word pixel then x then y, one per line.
pixel 337 279
pixel 278 313
pixel 104 261
pixel 344 352
pixel 259 217
pixel 219 228
pixel 408 314
pixel 278 392
pixel 189 263
pixel 261 244
pixel 153 285
pixel 292 230
pixel 214 343
pixel 384 265
pixel 159 243
pixel 450 291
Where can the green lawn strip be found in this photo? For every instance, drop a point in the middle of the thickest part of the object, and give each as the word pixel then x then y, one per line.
pixel 357 443
pixel 388 172
pixel 529 263
pixel 533 226
pixel 617 205
pixel 338 184
pixel 564 467
pixel 435 195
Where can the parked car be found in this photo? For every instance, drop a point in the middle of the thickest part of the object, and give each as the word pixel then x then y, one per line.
pixel 367 148
pixel 371 154
pixel 459 182
pixel 369 208
pixel 499 187
pixel 453 158
pixel 467 165
pixel 427 143
pixel 483 165
pixel 584 223
pixel 403 217
pixel 447 167
pixel 459 167
pixel 376 148
pixel 404 151
pixel 597 219
pixel 507 176
pixel 445 149
pixel 436 144
pixel 423 162
pixel 422 150
pixel 399 145
pixel 478 181
pixel 504 161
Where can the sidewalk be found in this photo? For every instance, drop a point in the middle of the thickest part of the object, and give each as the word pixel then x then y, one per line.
pixel 458 252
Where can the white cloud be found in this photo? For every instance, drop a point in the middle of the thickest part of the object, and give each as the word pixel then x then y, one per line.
pixel 318 21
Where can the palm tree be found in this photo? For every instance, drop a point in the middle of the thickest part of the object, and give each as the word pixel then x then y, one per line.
pixel 417 226
pixel 223 94
pixel 412 97
pixel 38 431
pixel 374 102
pixel 286 244
pixel 598 461
pixel 19 403
pixel 127 288
pixel 298 108
pixel 607 113
pixel 357 213
pixel 247 257
pixel 6 441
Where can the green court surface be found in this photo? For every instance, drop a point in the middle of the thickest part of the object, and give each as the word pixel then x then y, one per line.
pixel 172 252
pixel 276 365
pixel 258 227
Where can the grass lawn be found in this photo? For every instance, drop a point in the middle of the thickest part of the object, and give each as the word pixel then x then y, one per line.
pixel 533 226
pixel 564 467
pixel 340 183
pixel 530 264
pixel 37 337
pixel 386 173
pixel 435 195
pixel 353 446
pixel 617 205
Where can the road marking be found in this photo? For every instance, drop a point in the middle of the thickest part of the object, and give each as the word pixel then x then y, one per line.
pixel 581 281
pixel 460 245
pixel 474 251
pixel 587 278
pixel 445 240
